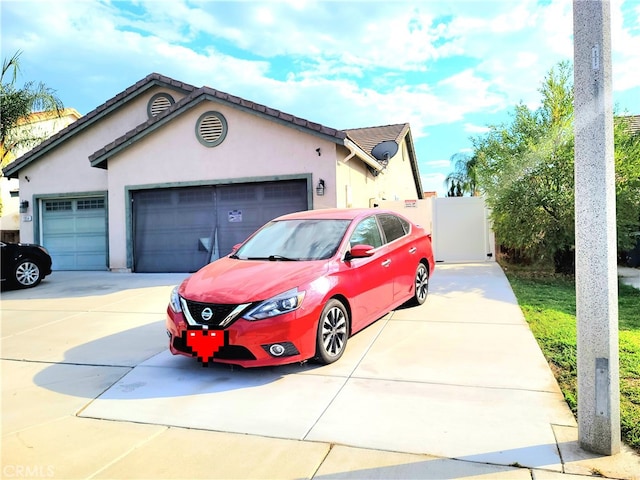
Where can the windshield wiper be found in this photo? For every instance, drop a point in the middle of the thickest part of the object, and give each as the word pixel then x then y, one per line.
pixel 274 258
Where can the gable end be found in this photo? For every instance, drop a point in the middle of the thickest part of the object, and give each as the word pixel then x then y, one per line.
pixel 150 81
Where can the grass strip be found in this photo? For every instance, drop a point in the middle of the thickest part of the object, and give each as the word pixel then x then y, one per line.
pixel 548 303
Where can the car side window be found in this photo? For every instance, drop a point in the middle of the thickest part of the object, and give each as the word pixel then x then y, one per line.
pixel 392 227
pixel 366 233
pixel 405 225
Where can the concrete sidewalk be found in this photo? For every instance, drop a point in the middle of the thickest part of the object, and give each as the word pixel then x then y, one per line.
pixel 456 388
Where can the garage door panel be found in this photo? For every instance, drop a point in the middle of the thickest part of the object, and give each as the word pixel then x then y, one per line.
pixel 92 244
pixel 60 225
pixel 168 224
pixel 87 261
pixel 93 226
pixel 183 229
pixel 74 231
pixel 64 261
pixel 229 237
pixel 244 209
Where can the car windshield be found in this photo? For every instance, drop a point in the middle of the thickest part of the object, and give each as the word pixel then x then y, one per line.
pixel 295 240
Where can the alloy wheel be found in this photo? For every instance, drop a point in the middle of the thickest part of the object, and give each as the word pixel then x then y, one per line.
pixel 422 284
pixel 333 332
pixel 27 273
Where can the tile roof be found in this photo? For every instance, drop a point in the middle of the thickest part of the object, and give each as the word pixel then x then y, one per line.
pixel 99 158
pixel 364 138
pixel 367 138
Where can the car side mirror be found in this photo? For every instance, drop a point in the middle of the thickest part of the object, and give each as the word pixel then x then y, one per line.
pixel 359 251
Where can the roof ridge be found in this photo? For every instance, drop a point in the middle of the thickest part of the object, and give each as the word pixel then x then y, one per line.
pixel 377 126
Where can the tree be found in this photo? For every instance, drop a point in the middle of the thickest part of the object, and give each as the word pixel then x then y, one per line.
pixel 15 106
pixel 526 171
pixel 627 160
pixel 464 178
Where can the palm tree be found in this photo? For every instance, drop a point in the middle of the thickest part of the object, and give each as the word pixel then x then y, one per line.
pixel 464 177
pixel 16 104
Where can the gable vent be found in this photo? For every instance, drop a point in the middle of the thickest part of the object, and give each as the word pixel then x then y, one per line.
pixel 211 129
pixel 159 103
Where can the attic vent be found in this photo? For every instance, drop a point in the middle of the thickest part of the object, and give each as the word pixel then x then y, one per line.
pixel 159 103
pixel 211 129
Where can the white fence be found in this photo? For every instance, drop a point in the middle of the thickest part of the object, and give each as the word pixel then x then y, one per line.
pixel 459 226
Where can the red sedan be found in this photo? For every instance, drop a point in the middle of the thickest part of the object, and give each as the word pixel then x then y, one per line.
pixel 299 287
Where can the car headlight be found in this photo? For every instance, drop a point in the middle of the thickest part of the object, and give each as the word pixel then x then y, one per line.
pixel 283 303
pixel 174 301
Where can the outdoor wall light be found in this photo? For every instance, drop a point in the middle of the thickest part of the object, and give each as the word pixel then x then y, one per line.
pixel 320 188
pixel 24 206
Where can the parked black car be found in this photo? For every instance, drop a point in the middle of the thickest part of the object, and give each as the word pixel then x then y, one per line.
pixel 24 265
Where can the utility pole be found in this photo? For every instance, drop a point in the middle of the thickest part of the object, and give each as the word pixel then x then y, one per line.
pixel 595 214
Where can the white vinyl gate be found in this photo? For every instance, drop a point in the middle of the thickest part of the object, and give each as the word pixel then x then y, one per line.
pixel 460 227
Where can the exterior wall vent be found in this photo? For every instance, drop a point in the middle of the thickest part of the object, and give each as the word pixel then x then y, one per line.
pixel 211 129
pixel 159 103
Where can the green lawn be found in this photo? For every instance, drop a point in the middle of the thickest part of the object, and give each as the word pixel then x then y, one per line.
pixel 549 306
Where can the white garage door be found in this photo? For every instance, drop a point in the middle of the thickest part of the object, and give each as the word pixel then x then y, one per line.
pixel 74 231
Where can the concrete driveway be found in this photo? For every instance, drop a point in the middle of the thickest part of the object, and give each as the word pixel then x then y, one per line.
pixel 455 388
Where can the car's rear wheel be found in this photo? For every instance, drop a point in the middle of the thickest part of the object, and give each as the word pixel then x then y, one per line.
pixel 27 273
pixel 421 284
pixel 333 332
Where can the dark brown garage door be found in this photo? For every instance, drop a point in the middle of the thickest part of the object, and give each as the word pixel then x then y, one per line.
pixel 183 229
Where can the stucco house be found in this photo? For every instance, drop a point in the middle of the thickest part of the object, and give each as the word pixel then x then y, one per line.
pixel 165 176
pixel 38 125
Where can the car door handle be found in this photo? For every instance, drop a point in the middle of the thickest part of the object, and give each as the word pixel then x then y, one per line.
pixel 413 250
pixel 386 263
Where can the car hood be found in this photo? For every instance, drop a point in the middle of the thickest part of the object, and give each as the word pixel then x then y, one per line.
pixel 232 281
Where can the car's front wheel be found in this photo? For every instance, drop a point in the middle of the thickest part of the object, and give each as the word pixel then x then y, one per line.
pixel 333 332
pixel 27 273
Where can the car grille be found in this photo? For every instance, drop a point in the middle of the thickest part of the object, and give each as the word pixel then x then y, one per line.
pixel 213 315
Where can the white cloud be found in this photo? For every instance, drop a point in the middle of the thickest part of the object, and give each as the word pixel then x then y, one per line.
pixel 312 59
pixel 625 47
pixel 469 92
pixel 471 128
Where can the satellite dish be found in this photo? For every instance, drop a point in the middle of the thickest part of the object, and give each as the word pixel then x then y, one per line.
pixel 385 150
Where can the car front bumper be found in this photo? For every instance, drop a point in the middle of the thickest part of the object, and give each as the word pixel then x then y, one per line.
pixel 284 339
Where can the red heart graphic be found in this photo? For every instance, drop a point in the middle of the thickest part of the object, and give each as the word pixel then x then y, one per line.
pixel 204 343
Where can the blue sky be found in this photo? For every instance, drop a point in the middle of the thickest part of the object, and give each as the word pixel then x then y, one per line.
pixel 450 68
